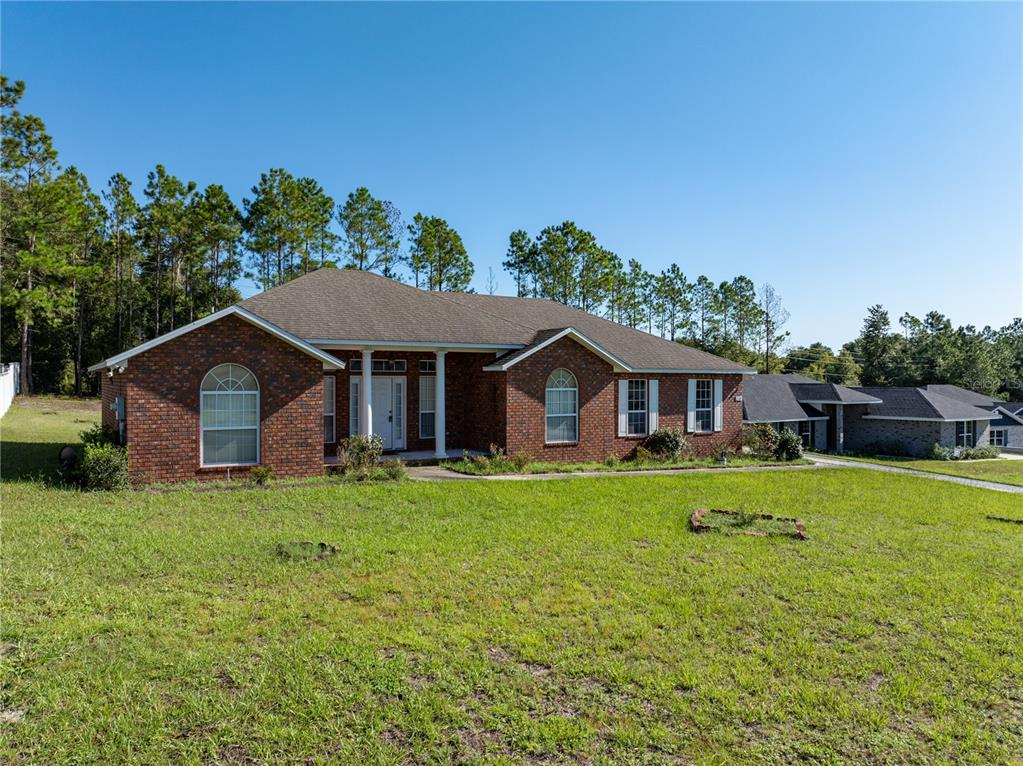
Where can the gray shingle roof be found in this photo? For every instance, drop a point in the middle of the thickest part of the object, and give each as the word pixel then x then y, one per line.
pixel 772 399
pixel 962 394
pixel 350 306
pixel 920 403
pixel 830 393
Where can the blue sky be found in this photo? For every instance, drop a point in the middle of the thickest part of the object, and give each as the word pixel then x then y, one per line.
pixel 849 154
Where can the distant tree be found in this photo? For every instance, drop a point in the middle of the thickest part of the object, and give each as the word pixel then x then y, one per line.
pixel 217 224
pixel 272 235
pixel 122 217
pixel 520 262
pixel 773 316
pixel 879 350
pixel 370 232
pixel 437 255
pixel 491 281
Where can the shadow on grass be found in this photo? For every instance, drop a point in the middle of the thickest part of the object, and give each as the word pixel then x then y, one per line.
pixel 30 461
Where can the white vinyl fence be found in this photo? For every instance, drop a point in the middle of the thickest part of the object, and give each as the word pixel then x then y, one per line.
pixel 9 381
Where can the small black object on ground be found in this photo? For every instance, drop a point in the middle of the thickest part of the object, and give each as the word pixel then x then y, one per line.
pixel 303 550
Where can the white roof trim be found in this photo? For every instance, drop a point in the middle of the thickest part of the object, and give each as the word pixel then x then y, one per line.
pixel 837 401
pixel 357 345
pixel 928 420
pixel 1014 415
pixel 578 337
pixel 788 420
pixel 329 362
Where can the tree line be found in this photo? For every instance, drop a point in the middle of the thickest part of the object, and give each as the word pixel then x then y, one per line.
pixel 87 275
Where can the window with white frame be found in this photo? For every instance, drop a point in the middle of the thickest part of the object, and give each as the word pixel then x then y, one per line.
pixel 966 432
pixel 637 409
pixel 229 416
pixel 997 437
pixel 427 407
pixel 428 365
pixel 329 404
pixel 562 407
pixel 379 365
pixel 704 405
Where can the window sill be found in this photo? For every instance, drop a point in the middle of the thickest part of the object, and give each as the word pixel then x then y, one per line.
pixel 561 444
pixel 222 466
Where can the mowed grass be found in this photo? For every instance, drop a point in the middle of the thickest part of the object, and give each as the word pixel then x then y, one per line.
pixel 514 622
pixel 1002 470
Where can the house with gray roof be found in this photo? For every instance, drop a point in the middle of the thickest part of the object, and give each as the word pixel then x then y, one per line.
pixel 1006 431
pixel 814 410
pixel 282 378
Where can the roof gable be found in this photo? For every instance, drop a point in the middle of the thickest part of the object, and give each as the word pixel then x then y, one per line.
pixel 121 360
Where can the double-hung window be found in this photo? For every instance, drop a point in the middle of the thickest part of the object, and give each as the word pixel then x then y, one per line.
pixel 329 404
pixel 229 416
pixel 427 407
pixel 637 409
pixel 806 432
pixel 996 437
pixel 378 365
pixel 704 405
pixel 966 433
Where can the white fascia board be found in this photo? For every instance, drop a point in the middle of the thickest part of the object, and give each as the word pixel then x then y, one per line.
pixel 787 420
pixel 928 420
pixel 1009 413
pixel 617 364
pixel 837 401
pixel 680 371
pixel 120 360
pixel 404 345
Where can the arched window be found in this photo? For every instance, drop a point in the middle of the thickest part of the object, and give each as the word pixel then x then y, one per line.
pixel 562 407
pixel 229 416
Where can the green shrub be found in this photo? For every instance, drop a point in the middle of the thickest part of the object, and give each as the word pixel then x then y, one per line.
pixel 360 452
pixel 394 469
pixel 667 443
pixel 760 439
pixel 482 462
pixel 979 453
pixel 97 434
pixel 261 474
pixel 937 452
pixel 790 446
pixel 612 461
pixel 643 455
pixel 104 466
pixel 521 460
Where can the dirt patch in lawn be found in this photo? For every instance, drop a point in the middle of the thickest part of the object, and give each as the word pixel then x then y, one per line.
pixel 746 523
pixel 304 550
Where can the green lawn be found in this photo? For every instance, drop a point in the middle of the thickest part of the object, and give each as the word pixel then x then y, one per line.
pixel 512 622
pixel 1003 470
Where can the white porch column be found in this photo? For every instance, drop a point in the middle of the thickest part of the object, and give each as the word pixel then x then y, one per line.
pixel 440 420
pixel 366 395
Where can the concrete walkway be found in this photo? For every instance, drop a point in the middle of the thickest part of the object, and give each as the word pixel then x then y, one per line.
pixel 436 473
pixel 836 462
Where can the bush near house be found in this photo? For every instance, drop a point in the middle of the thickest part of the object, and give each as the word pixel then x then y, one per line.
pixel 789 447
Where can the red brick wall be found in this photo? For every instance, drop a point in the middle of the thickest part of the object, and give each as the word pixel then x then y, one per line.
pixel 162 388
pixel 598 407
pixel 475 399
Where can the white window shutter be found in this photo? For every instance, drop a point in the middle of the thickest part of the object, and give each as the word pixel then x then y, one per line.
pixel 353 407
pixel 691 407
pixel 718 407
pixel 652 407
pixel 623 407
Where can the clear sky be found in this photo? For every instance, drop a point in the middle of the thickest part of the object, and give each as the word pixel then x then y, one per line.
pixel 849 154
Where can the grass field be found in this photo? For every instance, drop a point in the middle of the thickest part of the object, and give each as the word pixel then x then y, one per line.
pixel 1003 470
pixel 511 622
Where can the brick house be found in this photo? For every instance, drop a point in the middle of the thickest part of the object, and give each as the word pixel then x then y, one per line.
pixel 282 378
pixel 910 420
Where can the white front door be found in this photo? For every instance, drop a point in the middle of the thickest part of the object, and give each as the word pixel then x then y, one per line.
pixel 389 411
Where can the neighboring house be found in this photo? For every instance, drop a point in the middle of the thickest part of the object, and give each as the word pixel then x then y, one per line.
pixel 915 419
pixel 812 409
pixel 279 379
pixel 1007 430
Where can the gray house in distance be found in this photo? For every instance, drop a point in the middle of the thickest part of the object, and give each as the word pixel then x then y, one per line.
pixel 835 418
pixel 814 410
